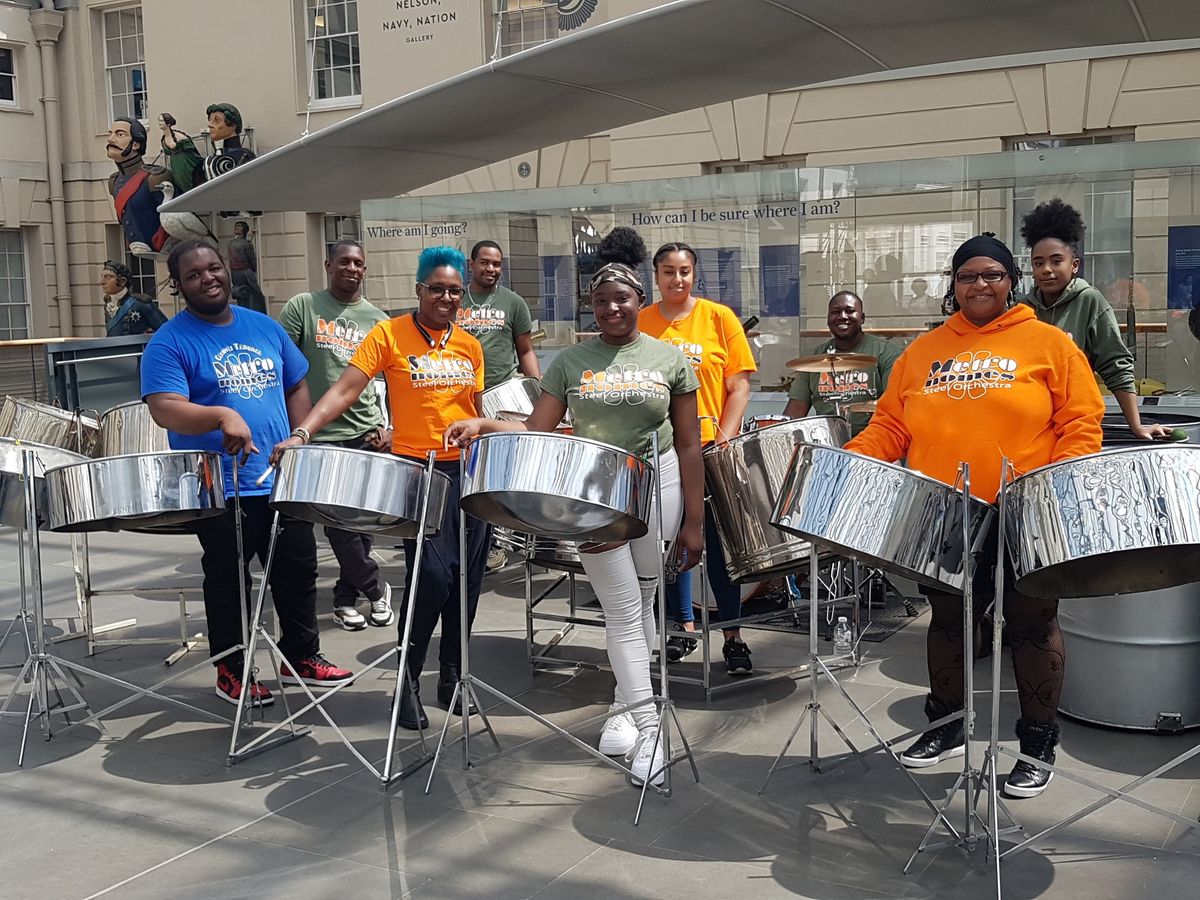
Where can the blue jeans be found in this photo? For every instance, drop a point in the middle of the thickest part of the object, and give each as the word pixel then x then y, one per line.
pixel 728 594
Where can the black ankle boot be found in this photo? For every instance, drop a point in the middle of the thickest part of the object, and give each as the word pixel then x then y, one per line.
pixel 1038 740
pixel 944 742
pixel 447 679
pixel 412 713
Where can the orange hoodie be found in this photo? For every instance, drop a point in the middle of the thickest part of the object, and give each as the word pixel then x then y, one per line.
pixel 1015 387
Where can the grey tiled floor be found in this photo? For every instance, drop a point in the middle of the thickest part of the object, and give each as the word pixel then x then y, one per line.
pixel 153 811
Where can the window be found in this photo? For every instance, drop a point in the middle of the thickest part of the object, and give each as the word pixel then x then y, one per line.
pixel 331 28
pixel 336 228
pixel 14 298
pixel 144 282
pixel 125 63
pixel 8 77
pixel 521 24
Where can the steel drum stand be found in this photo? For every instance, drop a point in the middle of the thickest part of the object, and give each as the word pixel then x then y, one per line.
pixel 994 750
pixel 269 738
pixel 467 684
pixel 42 671
pixel 23 615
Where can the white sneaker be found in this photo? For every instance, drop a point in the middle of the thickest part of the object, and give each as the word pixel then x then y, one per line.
pixel 620 735
pixel 349 618
pixel 497 558
pixel 647 757
pixel 381 609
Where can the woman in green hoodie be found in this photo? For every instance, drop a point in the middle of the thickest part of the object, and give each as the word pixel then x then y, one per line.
pixel 1053 233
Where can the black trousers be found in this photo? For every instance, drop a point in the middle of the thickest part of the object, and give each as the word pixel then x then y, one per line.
pixel 437 584
pixel 293 577
pixel 358 573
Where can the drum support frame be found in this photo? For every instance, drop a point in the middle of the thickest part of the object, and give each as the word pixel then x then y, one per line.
pixel 258 632
pixel 995 750
pixel 468 683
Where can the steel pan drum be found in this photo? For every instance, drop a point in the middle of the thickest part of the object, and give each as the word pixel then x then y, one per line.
pixel 12 488
pixel 744 477
pixel 129 429
pixel 517 395
pixel 155 492
pixel 50 426
pixel 886 516
pixel 756 422
pixel 1114 522
pixel 375 493
pixel 508 415
pixel 557 486
pixel 1133 659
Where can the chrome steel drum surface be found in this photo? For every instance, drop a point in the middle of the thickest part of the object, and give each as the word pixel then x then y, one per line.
pixel 12 488
pixel 508 415
pixel 28 420
pixel 744 477
pixel 516 395
pixel 1113 522
pixel 155 492
pixel 884 515
pixel 128 429
pixel 357 490
pixel 764 421
pixel 557 486
pixel 1133 660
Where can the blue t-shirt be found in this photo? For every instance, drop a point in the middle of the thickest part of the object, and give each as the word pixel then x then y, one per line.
pixel 247 365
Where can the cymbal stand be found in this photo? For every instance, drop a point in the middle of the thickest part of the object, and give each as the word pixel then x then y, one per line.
pixel 42 671
pixel 973 782
pixel 468 683
pixel 258 632
pixel 994 750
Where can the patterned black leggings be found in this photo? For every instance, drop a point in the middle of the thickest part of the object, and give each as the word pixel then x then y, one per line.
pixel 1035 641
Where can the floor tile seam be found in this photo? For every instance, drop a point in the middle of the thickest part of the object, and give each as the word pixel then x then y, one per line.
pixel 230 833
pixel 574 866
pixel 1175 826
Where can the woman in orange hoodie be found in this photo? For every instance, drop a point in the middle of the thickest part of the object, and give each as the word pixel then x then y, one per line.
pixel 992 382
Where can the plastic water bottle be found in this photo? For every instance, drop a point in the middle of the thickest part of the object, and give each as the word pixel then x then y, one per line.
pixel 843 637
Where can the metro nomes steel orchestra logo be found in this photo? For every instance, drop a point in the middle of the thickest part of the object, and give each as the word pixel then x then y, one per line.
pixel 970 375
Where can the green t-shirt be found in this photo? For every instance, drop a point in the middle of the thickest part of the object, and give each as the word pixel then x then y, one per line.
pixel 495 320
pixel 822 392
pixel 328 332
pixel 621 395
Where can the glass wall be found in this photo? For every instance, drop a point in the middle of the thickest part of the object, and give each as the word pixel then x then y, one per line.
pixel 775 244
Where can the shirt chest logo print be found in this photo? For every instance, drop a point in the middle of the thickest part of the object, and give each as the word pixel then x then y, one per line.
pixel 692 352
pixel 243 370
pixel 971 374
pixel 339 336
pixel 480 319
pixel 441 371
pixel 623 384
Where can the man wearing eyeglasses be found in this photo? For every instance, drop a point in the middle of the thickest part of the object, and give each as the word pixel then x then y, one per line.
pixel 825 392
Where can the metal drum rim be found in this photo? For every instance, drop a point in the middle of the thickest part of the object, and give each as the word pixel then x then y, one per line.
pixel 899 468
pixel 760 431
pixel 368 454
pixel 1150 446
pixel 158 454
pixel 127 405
pixel 553 435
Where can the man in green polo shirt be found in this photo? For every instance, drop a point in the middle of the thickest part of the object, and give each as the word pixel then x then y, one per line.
pixel 328 326
pixel 498 318
pixel 823 393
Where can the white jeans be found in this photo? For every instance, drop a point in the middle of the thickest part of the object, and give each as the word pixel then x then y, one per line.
pixel 625 581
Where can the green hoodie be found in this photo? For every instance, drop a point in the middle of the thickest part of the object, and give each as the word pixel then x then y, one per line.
pixel 1083 313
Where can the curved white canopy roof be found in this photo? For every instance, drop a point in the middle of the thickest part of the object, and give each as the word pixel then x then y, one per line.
pixel 618 73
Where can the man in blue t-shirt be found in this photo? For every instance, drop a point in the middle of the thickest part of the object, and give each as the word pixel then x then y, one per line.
pixel 223 378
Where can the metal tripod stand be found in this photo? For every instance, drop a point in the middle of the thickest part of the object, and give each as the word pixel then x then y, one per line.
pixel 467 686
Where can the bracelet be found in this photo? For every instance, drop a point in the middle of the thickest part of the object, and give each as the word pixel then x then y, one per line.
pixel 303 433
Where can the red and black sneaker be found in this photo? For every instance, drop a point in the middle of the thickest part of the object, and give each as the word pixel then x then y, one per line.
pixel 229 687
pixel 315 671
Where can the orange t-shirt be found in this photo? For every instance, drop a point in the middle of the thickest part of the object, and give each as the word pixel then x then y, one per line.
pixel 428 387
pixel 712 340
pixel 1015 388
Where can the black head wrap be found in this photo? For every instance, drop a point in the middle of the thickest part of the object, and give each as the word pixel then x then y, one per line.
pixel 989 246
pixel 621 274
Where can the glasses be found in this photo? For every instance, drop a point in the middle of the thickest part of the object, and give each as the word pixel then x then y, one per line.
pixel 989 277
pixel 438 291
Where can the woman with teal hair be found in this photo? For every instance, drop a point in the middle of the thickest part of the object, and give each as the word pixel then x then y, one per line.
pixel 434 374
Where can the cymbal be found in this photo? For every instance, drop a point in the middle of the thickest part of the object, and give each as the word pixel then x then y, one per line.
pixel 832 362
pixel 862 406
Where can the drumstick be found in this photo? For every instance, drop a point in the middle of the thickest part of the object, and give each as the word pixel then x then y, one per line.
pixel 264 476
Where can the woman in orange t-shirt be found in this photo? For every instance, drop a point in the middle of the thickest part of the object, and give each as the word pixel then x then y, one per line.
pixel 715 344
pixel 434 372
pixel 992 382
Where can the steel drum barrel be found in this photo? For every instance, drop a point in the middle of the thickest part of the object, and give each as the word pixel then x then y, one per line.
pixel 357 490
pixel 557 486
pixel 886 516
pixel 28 420
pixel 518 395
pixel 129 429
pixel 744 477
pixel 155 492
pixel 1115 522
pixel 1133 661
pixel 12 487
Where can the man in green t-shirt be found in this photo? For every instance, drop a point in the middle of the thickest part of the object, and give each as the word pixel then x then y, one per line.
pixel 498 318
pixel 328 326
pixel 823 393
